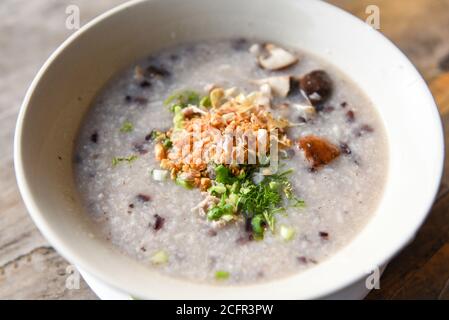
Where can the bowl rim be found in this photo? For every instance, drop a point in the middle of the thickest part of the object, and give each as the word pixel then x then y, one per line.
pixel 73 255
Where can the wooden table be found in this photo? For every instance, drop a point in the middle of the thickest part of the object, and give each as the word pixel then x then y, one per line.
pixel 31 29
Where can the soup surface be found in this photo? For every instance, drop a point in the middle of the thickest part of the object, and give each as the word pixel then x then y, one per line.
pixel 332 165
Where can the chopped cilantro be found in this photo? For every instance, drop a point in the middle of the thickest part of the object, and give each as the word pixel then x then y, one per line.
pixel 259 202
pixel 223 175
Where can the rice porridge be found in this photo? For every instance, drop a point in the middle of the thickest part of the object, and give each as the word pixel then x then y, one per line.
pixel 206 219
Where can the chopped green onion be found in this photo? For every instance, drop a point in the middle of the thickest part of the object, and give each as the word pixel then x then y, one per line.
pixel 222 275
pixel 178 119
pixel 182 99
pixel 155 134
pixel 273 185
pixel 235 187
pixel 184 183
pixel 129 159
pixel 219 211
pixel 233 199
pixel 127 127
pixel 257 224
pixel 287 233
pixel 227 217
pixel 167 143
pixel 218 188
pixel 160 257
pixel 159 175
pixel 205 102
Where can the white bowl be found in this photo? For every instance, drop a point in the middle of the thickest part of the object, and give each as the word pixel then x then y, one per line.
pixel 63 89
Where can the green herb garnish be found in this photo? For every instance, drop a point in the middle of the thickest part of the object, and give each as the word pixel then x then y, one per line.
pixel 178 118
pixel 159 257
pixel 167 143
pixel 223 175
pixel 182 99
pixel 184 183
pixel 127 127
pixel 257 202
pixel 155 134
pixel 221 209
pixel 205 102
pixel 219 188
pixel 260 202
pixel 287 233
pixel 285 185
pixel 222 275
pixel 256 197
pixel 118 160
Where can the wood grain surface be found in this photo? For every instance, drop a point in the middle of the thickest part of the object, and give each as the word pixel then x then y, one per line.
pixel 31 29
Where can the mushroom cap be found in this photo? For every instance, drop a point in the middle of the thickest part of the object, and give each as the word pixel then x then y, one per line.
pixel 318 150
pixel 277 58
pixel 317 86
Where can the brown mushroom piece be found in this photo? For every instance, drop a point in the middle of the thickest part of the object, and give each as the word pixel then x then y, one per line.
pixel 318 151
pixel 276 58
pixel 316 86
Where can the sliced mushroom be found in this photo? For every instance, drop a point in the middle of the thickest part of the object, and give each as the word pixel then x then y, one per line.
pixel 280 86
pixel 316 86
pixel 255 49
pixel 318 151
pixel 277 58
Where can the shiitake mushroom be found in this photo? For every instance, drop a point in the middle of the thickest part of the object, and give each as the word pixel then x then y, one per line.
pixel 316 86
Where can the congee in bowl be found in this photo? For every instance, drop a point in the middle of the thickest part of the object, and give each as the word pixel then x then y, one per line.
pixel 231 161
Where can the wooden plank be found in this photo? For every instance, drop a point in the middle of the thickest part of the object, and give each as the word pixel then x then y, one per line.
pixel 26 42
pixel 419 256
pixel 421 29
pixel 429 281
pixel 39 274
pixel 440 90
